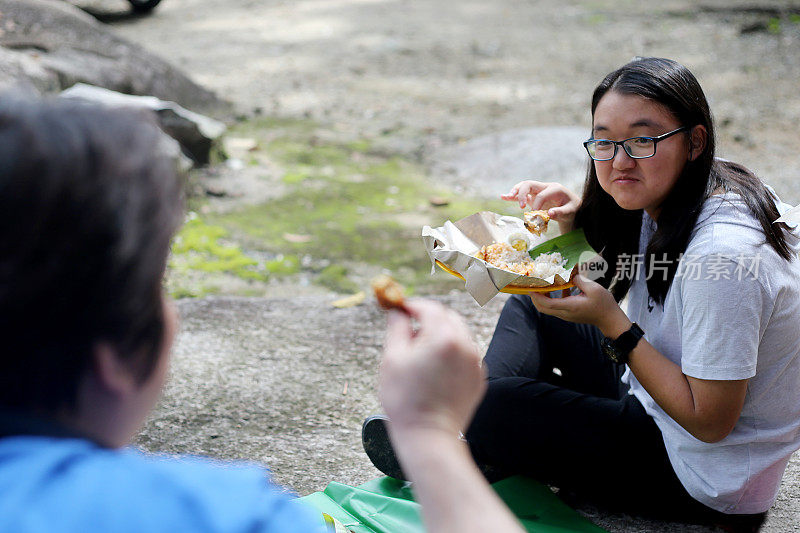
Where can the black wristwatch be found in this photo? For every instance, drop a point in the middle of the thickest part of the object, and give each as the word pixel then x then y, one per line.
pixel 620 349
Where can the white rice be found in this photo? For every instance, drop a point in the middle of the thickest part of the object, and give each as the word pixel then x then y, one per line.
pixel 502 255
pixel 546 265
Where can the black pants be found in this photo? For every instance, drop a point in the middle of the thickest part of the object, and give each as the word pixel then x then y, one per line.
pixel 580 430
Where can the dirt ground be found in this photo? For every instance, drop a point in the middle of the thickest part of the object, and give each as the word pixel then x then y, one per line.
pixel 287 381
pixel 428 74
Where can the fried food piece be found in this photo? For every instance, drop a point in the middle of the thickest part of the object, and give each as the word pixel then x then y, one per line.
pixel 536 221
pixel 502 255
pixel 388 292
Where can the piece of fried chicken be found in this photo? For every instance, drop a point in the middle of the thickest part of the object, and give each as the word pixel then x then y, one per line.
pixel 536 221
pixel 388 292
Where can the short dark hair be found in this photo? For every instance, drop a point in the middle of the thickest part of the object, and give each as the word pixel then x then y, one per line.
pixel 616 231
pixel 89 202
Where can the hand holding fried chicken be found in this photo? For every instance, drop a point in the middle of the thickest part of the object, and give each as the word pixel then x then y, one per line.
pixel 560 203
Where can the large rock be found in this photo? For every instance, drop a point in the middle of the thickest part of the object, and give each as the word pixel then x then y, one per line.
pixel 196 133
pixel 49 45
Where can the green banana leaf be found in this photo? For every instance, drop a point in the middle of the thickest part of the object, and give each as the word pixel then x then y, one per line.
pixel 573 247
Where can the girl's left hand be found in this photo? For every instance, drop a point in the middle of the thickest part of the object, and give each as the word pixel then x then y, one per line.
pixel 594 305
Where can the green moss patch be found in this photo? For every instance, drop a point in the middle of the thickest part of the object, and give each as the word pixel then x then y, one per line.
pixel 203 255
pixel 349 212
pixel 352 209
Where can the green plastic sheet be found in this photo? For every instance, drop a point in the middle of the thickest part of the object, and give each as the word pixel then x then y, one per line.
pixel 386 505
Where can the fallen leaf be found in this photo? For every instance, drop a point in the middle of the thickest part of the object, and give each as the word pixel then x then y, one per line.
pixel 438 201
pixel 350 301
pixel 297 238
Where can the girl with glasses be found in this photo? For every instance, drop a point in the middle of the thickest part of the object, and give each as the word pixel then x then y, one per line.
pixel 688 403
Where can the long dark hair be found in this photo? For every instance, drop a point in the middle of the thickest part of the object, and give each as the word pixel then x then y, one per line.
pixel 615 231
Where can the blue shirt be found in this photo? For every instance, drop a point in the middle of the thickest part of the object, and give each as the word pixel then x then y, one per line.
pixel 53 484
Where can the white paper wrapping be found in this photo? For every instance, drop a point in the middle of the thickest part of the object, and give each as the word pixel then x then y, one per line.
pixel 455 244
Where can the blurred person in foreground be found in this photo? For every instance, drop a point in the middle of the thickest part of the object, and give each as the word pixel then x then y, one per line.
pixel 88 206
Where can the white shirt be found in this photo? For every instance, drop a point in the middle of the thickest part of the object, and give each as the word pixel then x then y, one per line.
pixel 732 312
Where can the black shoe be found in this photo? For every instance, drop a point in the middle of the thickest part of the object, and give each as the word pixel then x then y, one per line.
pixel 375 438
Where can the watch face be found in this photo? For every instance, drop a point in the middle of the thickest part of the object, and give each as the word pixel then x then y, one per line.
pixel 609 350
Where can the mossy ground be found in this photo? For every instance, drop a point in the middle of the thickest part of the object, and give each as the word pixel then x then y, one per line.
pixel 348 213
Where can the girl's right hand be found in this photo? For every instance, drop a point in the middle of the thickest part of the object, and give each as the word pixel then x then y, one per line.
pixel 560 203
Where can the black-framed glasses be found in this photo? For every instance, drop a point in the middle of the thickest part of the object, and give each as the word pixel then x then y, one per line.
pixel 636 147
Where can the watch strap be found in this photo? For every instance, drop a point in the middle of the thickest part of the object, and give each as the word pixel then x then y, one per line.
pixel 626 342
pixel 619 349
